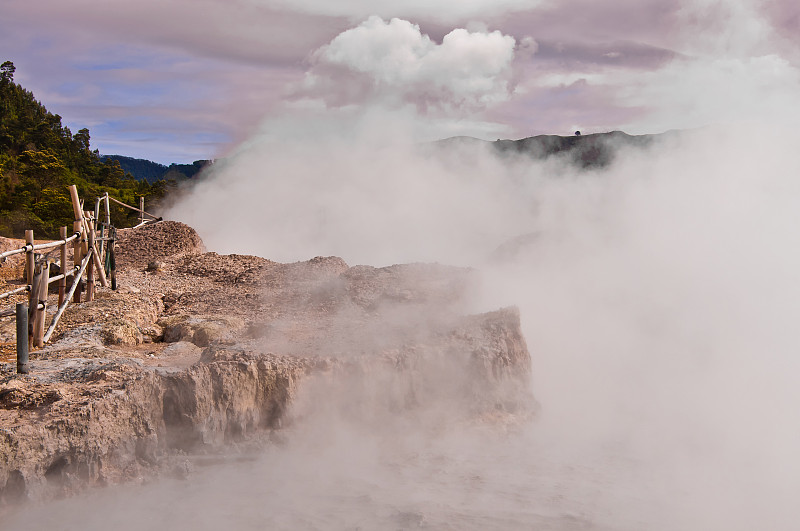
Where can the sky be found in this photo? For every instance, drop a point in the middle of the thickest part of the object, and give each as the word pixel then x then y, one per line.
pixel 180 80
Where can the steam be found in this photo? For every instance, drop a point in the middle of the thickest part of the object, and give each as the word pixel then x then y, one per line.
pixel 396 204
pixel 660 322
pixel 659 298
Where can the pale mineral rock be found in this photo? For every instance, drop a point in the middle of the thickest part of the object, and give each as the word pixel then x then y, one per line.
pixel 211 351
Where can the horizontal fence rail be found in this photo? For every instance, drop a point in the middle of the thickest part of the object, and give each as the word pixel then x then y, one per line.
pixel 8 294
pixel 93 257
pixel 38 247
pixel 140 210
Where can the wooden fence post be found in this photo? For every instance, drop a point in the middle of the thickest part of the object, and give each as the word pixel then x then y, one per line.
pixel 29 258
pixel 90 272
pixel 62 284
pixel 38 326
pixel 77 226
pixel 38 296
pixel 141 208
pixel 78 209
pixel 108 211
pixel 100 233
pixel 33 299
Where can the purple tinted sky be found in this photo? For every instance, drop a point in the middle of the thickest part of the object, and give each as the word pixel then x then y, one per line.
pixel 179 80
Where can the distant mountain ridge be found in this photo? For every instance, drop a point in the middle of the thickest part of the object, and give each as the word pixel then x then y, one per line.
pixel 149 171
pixel 595 150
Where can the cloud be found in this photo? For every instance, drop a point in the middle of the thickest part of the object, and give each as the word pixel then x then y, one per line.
pixel 785 18
pixel 443 11
pixel 394 62
pixel 587 22
pixel 242 31
pixel 705 91
pixel 733 69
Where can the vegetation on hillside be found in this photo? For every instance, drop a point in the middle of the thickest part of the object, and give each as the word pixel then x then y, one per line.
pixel 40 158
pixel 147 170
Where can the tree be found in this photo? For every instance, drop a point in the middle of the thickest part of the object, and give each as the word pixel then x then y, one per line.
pixel 39 170
pixel 81 139
pixel 7 70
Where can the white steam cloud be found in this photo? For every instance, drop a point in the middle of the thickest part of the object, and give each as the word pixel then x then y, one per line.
pixel 356 188
pixel 394 63
pixel 659 300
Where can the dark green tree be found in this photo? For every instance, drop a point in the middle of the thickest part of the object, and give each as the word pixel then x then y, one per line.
pixel 7 70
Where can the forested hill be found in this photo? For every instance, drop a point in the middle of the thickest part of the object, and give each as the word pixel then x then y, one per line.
pixel 147 170
pixel 593 151
pixel 40 158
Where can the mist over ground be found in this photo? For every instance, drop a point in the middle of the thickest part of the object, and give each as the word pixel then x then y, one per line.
pixel 658 298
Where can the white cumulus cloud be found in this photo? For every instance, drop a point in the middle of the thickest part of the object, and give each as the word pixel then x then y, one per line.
pixel 394 62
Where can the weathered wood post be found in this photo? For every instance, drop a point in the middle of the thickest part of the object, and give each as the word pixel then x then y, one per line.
pixel 98 227
pixel 76 207
pixel 76 258
pixel 22 338
pixel 108 211
pixel 87 220
pixel 62 284
pixel 141 209
pixel 37 297
pixel 41 305
pixel 33 301
pixel 77 250
pixel 29 257
pixel 90 272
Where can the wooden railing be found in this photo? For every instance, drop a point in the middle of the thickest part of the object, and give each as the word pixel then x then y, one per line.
pixel 92 243
pixel 144 217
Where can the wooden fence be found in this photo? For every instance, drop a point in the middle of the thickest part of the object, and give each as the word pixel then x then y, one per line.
pixel 92 243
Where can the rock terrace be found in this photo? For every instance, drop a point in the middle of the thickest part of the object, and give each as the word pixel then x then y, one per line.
pixel 198 351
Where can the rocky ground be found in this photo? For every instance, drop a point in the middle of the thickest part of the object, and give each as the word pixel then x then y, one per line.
pixel 197 351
